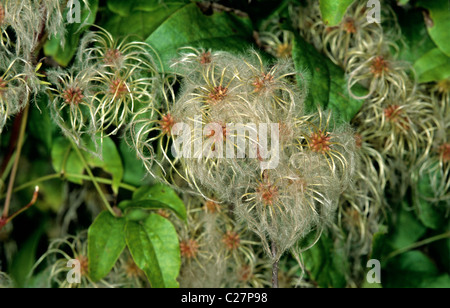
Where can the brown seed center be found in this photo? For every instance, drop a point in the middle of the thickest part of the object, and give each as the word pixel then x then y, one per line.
pixel 205 58
pixel 444 152
pixel 268 193
pixel 166 123
pixel 262 82
pixel 379 66
pixel 349 25
pixel 320 142
pixel 211 206
pixel 395 114
pixel 83 264
pixel 189 248
pixel 217 94
pixel 118 88
pixel 111 56
pixel 231 240
pixel 73 95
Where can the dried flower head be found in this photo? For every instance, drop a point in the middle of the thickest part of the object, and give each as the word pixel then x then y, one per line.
pixel 166 123
pixel 189 248
pixel 230 98
pixel 232 240
pixel 320 142
pixel 83 261
pixel 211 206
pixel 376 69
pixel 117 96
pixel 335 148
pixel 349 25
pixel 150 131
pixel 16 87
pixel 73 95
pixel 268 193
pixel 354 33
pixel 262 82
pixel 217 95
pixel 71 107
pixel 115 55
pixel 308 19
pixel 118 88
pixel 272 84
pixel 205 57
pixel 379 66
pixel 393 113
pixel 112 56
pixel 63 250
pixel 277 42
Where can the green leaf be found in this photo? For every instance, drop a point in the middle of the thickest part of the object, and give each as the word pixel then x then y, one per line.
pixel 51 192
pixel 51 195
pixel 136 214
pixel 141 17
pixel 64 54
pixel 260 11
pixel 408 270
pixel 402 2
pixel 430 214
pixel 407 229
pixel 343 106
pixel 442 250
pixel 306 57
pixel 442 281
pixel 109 161
pixel 334 10
pixel 367 285
pixel 415 41
pixel 156 197
pixel 327 84
pixel 155 249
pixel 40 280
pixel 433 66
pixel 40 124
pixel 379 246
pixel 188 26
pixel 106 241
pixel 327 271
pixel 65 160
pixel 438 22
pixel 134 171
pixel 25 258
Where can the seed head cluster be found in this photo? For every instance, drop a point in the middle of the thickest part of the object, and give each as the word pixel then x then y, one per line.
pixel 315 158
pixel 22 25
pixel 402 126
pixel 97 95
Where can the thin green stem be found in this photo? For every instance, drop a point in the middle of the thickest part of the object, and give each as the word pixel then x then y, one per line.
pixel 36 181
pixel 12 176
pixel 93 180
pixel 418 244
pixel 101 180
pixel 8 167
pixel 69 175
